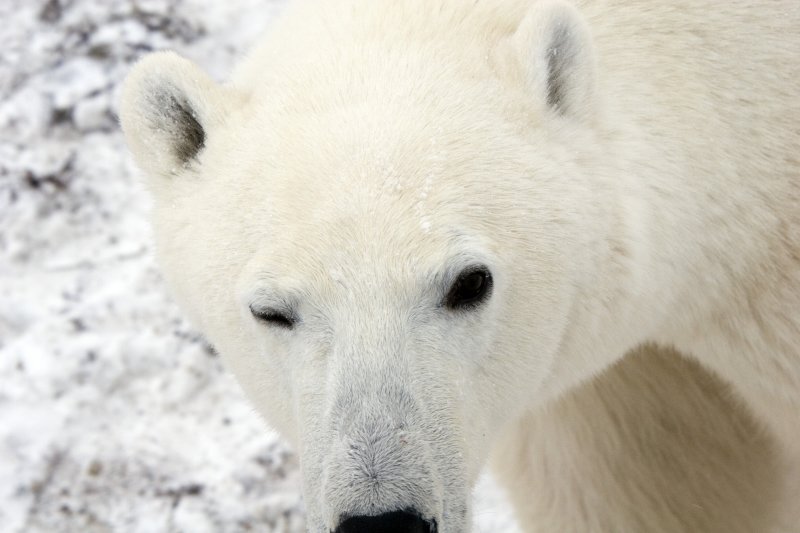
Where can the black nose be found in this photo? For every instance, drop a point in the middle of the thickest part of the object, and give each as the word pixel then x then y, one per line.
pixel 394 522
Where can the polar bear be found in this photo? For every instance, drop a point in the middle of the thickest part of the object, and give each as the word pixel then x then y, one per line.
pixel 560 237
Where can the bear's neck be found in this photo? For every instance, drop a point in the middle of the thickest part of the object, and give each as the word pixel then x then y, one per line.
pixel 693 220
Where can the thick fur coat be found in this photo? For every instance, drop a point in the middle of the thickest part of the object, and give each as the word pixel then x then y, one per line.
pixel 624 176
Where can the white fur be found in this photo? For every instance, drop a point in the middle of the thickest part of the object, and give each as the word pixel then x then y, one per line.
pixel 370 149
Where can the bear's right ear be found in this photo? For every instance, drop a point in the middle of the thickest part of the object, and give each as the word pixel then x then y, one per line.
pixel 167 108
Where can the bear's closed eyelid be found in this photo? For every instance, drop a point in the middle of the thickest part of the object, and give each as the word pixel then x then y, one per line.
pixel 281 316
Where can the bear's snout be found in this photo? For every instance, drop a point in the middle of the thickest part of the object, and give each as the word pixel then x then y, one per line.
pixel 379 469
pixel 375 468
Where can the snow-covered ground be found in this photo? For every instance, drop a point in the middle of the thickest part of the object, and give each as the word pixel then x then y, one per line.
pixel 114 416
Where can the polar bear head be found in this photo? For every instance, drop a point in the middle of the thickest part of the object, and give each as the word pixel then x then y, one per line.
pixel 385 228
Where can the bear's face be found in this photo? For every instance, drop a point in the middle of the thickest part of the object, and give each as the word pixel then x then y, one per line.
pixel 388 276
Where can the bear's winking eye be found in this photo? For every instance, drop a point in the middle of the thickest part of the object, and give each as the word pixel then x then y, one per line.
pixel 274 317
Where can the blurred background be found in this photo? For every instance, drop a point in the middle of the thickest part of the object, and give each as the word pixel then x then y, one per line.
pixel 114 415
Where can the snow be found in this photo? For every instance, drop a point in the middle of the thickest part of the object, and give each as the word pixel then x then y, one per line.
pixel 114 415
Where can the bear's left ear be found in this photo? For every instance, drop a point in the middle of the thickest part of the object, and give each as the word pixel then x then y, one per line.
pixel 167 108
pixel 555 47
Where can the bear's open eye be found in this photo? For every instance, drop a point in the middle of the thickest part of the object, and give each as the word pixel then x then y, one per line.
pixel 274 317
pixel 471 288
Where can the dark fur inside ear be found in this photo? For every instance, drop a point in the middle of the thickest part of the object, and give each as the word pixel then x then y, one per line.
pixel 169 109
pixel 561 60
pixel 557 53
pixel 174 115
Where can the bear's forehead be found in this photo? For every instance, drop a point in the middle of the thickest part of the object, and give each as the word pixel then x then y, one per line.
pixel 362 230
pixel 360 233
pixel 321 193
pixel 373 153
pixel 357 253
pixel 368 185
pixel 331 171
